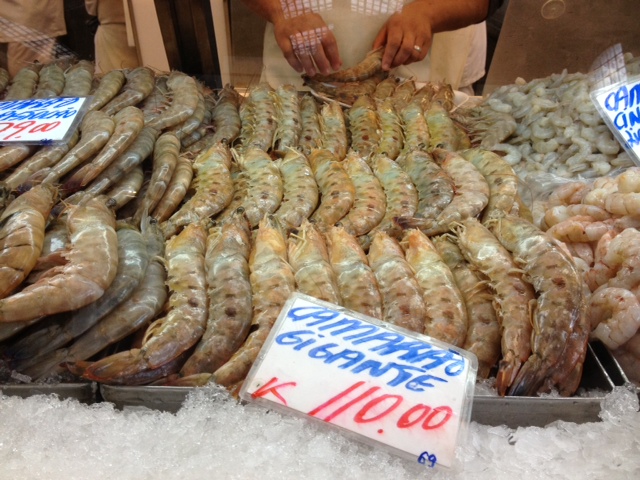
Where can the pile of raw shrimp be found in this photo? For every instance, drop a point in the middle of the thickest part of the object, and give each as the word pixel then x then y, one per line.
pixel 166 234
pixel 598 222
pixel 550 125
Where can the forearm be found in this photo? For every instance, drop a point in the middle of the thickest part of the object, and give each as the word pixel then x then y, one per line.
pixel 451 14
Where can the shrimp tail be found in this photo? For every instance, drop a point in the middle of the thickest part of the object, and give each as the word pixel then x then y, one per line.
pixel 508 369
pixel 113 367
pixel 529 379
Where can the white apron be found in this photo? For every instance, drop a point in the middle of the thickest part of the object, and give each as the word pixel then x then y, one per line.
pixel 355 24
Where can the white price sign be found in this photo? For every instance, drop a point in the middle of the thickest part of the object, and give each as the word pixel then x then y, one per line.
pixel 389 386
pixel 620 106
pixel 39 120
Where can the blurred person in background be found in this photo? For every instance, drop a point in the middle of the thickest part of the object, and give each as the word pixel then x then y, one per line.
pixel 428 40
pixel 112 47
pixel 28 32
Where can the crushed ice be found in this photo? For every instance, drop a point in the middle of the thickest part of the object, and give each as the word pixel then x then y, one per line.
pixel 214 437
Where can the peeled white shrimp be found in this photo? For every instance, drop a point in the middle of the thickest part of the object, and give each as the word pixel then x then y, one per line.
pixel 614 314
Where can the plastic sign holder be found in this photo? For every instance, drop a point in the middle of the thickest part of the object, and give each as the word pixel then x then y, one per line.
pixel 376 382
pixel 40 121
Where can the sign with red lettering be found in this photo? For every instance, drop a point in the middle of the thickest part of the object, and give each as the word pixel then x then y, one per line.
pixel 39 120
pixel 386 385
pixel 620 107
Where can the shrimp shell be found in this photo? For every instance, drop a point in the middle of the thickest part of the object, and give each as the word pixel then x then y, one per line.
pixel 445 312
pixel 184 91
pixel 363 125
pixel 483 332
pixel 416 130
pixel 265 187
pixel 139 85
pixel 471 195
pixel 272 282
pixel 12 155
pixel 560 324
pixel 309 257
pixel 50 82
pixel 502 180
pixel 369 66
pixel 385 89
pixel 192 123
pixel 109 86
pixel 126 189
pixel 22 227
pixel 175 191
pixel 334 130
pixel 23 83
pixel 356 281
pixel 369 205
pixel 434 185
pixel 258 115
pixel 132 264
pixel 403 93
pixel 229 293
pixel 300 190
pixel 288 118
pixel 213 190
pixel 391 134
pixel 225 116
pixel 78 79
pixel 92 264
pixel 513 296
pixel 442 130
pixel 337 191
pixel 402 299
pixel 171 336
pixel 310 124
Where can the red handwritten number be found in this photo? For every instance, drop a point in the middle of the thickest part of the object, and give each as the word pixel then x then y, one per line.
pixel 448 413
pixel 45 127
pixel 20 127
pixel 359 417
pixel 268 388
pixel 405 420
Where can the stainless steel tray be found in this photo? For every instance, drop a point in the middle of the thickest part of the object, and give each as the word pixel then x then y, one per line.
pixel 487 409
pixel 83 392
pixel 611 366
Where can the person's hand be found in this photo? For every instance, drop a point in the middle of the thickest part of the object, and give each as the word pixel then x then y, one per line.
pixel 406 36
pixel 307 44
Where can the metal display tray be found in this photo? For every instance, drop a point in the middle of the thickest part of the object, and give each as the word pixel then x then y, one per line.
pixel 487 409
pixel 83 392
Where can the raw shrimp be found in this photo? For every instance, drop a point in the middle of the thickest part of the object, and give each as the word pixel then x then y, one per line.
pixel 309 257
pixel 600 192
pixel 443 95
pixel 300 190
pixel 559 213
pixel 471 195
pixel 356 281
pixel 363 125
pixel 225 116
pixel 229 293
pixel 443 132
pixel 435 186
pixel 623 203
pixel 132 264
pixel 403 93
pixel 568 194
pixel 144 304
pixel 337 191
pixel 310 124
pixel 513 300
pixel 176 189
pixel 44 158
pixel 78 79
pixel 483 332
pixel 579 229
pixel 95 131
pixel 128 124
pixel 614 314
pixel 369 66
pixel 212 186
pixel 502 180
pixel 240 185
pixel 12 155
pixel 445 316
pixel 165 159
pixel 416 130
pixel 629 180
pixel 288 118
pixel 50 82
pixel 126 189
pixel 92 263
pixel 560 324
pixel 184 92
pixel 605 263
pixel 272 282
pixel 264 184
pixel 347 93
pixel 139 85
pixel 195 120
pixel 369 205
pixel 23 83
pixel 109 86
pixel 385 89
pixel 624 253
pixel 391 134
pixel 258 115
pixel 172 335
pixel 402 299
pixel 22 227
pixel 334 130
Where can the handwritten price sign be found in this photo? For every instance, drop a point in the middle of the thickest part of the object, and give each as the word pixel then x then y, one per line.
pixel 620 106
pixel 389 386
pixel 39 120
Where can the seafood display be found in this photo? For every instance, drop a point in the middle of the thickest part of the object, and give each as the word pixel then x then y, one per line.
pixel 167 233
